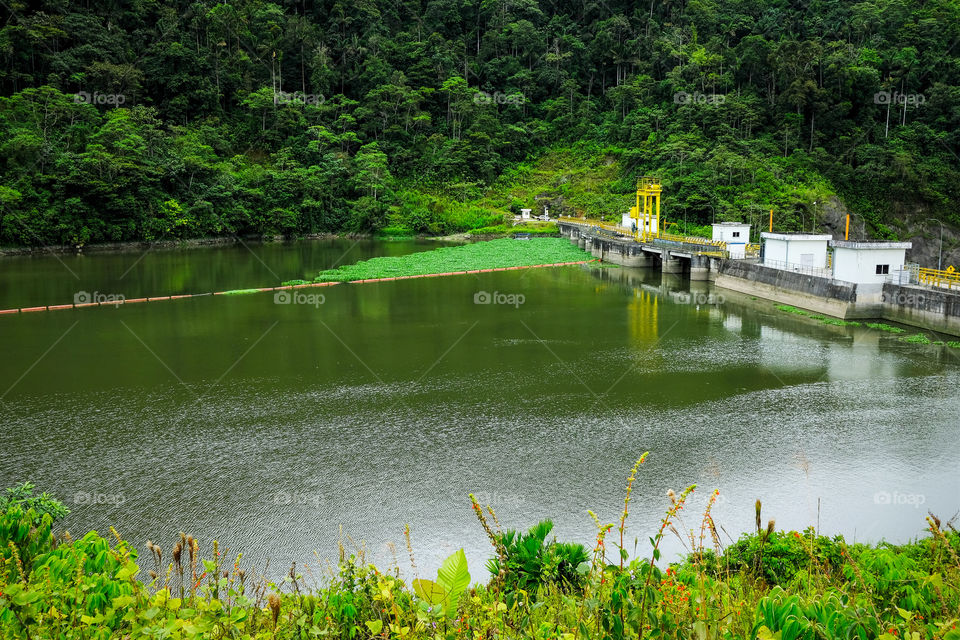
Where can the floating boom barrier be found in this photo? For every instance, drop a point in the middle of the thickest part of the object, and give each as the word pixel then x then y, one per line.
pixel 117 303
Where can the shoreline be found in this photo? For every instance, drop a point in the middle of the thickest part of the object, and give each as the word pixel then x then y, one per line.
pixel 134 246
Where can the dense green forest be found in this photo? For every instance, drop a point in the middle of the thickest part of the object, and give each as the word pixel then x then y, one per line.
pixel 170 119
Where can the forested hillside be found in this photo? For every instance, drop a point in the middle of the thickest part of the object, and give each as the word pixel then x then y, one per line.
pixel 170 119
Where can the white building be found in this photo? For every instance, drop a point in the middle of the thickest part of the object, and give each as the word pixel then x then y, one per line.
pixel 868 262
pixel 735 234
pixel 805 252
pixel 626 221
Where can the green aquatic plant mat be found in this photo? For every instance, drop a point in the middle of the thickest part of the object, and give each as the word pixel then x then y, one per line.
pixel 506 252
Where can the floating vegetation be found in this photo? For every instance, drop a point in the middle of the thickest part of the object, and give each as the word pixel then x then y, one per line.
pixel 493 254
pixel 917 338
pixel 291 283
pixel 840 323
pixel 885 327
pixel 954 344
pixel 239 292
pixel 786 308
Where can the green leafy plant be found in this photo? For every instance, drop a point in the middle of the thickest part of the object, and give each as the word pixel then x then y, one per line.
pixel 531 560
pixel 22 495
pixel 443 595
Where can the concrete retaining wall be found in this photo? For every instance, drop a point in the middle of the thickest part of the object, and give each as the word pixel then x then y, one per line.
pixel 934 309
pixel 921 307
pixel 822 295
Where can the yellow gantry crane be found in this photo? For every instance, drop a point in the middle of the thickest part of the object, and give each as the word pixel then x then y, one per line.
pixel 647 210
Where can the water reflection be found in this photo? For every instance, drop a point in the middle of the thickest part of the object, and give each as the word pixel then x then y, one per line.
pixel 391 402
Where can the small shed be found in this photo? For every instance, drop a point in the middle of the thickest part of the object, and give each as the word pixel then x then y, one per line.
pixel 868 262
pixel 795 251
pixel 735 234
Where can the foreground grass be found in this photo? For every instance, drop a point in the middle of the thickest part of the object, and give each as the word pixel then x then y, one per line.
pixel 768 584
pixel 492 254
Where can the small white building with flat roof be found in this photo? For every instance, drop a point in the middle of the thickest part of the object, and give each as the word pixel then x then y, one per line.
pixel 795 251
pixel 735 234
pixel 868 262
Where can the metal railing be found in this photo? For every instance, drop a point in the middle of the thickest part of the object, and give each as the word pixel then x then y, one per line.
pixel 947 278
pixel 716 245
pixel 820 272
pixel 720 245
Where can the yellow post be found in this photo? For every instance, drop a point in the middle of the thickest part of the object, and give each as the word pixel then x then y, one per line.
pixel 846 234
pixel 638 212
pixel 771 220
pixel 658 216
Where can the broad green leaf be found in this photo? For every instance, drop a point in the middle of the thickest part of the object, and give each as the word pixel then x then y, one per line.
pixel 454 578
pixel 429 591
pixel 123 601
pixel 22 599
pixel 375 626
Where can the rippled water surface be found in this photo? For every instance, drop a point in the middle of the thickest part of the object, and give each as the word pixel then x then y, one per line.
pixel 281 429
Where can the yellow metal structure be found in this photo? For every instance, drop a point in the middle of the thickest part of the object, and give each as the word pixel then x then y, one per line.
pixel 647 210
pixel 694 240
pixel 596 223
pixel 948 277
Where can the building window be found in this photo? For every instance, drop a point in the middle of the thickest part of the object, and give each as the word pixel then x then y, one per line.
pixel 736 234
pixel 883 269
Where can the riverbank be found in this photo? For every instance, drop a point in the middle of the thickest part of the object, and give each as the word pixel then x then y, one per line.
pixel 767 584
pixel 190 243
pixel 535 229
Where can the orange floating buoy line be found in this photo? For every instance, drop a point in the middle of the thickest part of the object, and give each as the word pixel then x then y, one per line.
pixel 117 303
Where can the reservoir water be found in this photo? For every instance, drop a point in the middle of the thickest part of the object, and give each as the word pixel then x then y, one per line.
pixel 284 429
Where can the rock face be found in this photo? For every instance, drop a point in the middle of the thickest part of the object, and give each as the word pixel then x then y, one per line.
pixel 926 244
pixel 910 226
pixel 834 216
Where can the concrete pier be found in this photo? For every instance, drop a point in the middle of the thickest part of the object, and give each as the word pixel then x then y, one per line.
pixel 669 264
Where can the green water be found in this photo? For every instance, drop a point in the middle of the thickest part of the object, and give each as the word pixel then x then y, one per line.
pixel 271 426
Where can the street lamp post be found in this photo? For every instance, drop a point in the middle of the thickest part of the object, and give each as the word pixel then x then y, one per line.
pixel 940 252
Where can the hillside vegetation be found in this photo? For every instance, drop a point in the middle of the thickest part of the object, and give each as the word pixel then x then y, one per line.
pixel 176 119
